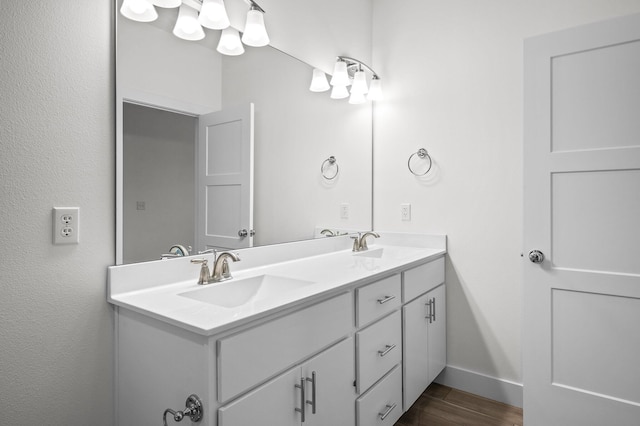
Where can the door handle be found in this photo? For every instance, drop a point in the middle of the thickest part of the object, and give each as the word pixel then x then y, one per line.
pixel 536 256
pixel 433 309
pixel 243 233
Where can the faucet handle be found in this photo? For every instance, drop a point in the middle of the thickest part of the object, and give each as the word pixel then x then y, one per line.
pixel 205 276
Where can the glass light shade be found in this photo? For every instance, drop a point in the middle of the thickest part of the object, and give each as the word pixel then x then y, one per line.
pixel 319 81
pixel 214 15
pixel 230 43
pixel 359 83
pixel 340 76
pixel 139 10
pixel 255 33
pixel 339 92
pixel 357 98
pixel 375 90
pixel 167 3
pixel 187 26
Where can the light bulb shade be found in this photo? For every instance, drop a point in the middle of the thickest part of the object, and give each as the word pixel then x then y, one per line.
pixel 187 26
pixel 339 92
pixel 214 15
pixel 319 81
pixel 255 33
pixel 357 98
pixel 340 76
pixel 230 43
pixel 359 83
pixel 167 3
pixel 375 90
pixel 139 10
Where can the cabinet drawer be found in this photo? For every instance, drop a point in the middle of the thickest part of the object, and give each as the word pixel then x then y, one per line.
pixel 383 400
pixel 375 300
pixel 251 356
pixel 379 349
pixel 423 278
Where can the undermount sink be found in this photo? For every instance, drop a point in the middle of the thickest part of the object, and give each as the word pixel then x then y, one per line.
pixel 239 292
pixel 376 253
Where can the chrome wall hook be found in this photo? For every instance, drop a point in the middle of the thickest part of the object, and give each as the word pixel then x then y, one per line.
pixel 193 410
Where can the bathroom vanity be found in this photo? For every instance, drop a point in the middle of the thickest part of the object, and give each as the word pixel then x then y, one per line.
pixel 304 333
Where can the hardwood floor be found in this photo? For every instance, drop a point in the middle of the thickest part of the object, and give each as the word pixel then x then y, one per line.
pixel 444 406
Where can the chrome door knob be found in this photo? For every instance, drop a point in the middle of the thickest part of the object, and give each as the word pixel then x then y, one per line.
pixel 536 256
pixel 243 233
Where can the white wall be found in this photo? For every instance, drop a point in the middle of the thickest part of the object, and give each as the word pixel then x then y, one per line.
pixel 159 164
pixel 295 132
pixel 57 149
pixel 452 72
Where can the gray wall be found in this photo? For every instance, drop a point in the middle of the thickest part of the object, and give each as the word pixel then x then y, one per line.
pixel 159 170
pixel 57 149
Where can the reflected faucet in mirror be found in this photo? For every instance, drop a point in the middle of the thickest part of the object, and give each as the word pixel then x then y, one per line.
pixel 177 250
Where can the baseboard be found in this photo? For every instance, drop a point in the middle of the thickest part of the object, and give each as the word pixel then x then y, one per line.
pixel 480 384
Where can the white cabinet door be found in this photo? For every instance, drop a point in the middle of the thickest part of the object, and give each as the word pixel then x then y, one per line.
pixel 425 342
pixel 281 401
pixel 414 336
pixel 274 403
pixel 437 335
pixel 334 396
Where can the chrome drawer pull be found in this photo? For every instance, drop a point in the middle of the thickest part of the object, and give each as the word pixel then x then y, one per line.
pixel 302 400
pixel 389 408
pixel 313 392
pixel 386 350
pixel 385 299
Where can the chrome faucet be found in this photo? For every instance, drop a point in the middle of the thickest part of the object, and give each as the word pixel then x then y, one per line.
pixel 360 242
pixel 220 267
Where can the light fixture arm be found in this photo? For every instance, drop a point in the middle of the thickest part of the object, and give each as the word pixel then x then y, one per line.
pixel 351 62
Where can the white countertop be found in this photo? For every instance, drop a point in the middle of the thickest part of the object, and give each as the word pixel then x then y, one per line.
pixel 330 273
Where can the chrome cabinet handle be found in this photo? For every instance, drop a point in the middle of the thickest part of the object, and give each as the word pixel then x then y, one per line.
pixel 313 392
pixel 302 400
pixel 386 299
pixel 388 410
pixel 386 350
pixel 429 309
pixel 433 310
pixel 243 233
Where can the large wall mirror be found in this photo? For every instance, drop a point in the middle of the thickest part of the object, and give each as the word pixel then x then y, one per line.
pixel 185 117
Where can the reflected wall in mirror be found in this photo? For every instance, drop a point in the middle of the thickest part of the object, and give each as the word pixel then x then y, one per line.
pixel 165 84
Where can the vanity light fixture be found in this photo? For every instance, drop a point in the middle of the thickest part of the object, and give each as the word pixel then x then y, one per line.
pixel 255 33
pixel 352 72
pixel 212 14
pixel 139 10
pixel 230 43
pixel 187 26
pixel 319 81
pixel 169 4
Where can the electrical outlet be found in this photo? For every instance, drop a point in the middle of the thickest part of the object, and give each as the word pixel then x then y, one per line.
pixel 344 211
pixel 405 212
pixel 66 225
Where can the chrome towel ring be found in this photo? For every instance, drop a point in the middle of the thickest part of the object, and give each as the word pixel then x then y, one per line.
pixel 326 166
pixel 422 154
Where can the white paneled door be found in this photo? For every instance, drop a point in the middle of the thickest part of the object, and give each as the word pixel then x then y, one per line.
pixel 225 179
pixel 582 226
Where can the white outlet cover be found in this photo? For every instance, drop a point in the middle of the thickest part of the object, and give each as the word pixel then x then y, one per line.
pixel 66 225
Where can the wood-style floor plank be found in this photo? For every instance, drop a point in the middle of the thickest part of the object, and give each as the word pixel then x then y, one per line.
pixel 443 406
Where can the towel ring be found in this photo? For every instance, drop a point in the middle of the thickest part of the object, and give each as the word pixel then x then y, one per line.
pixel 331 160
pixel 421 153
